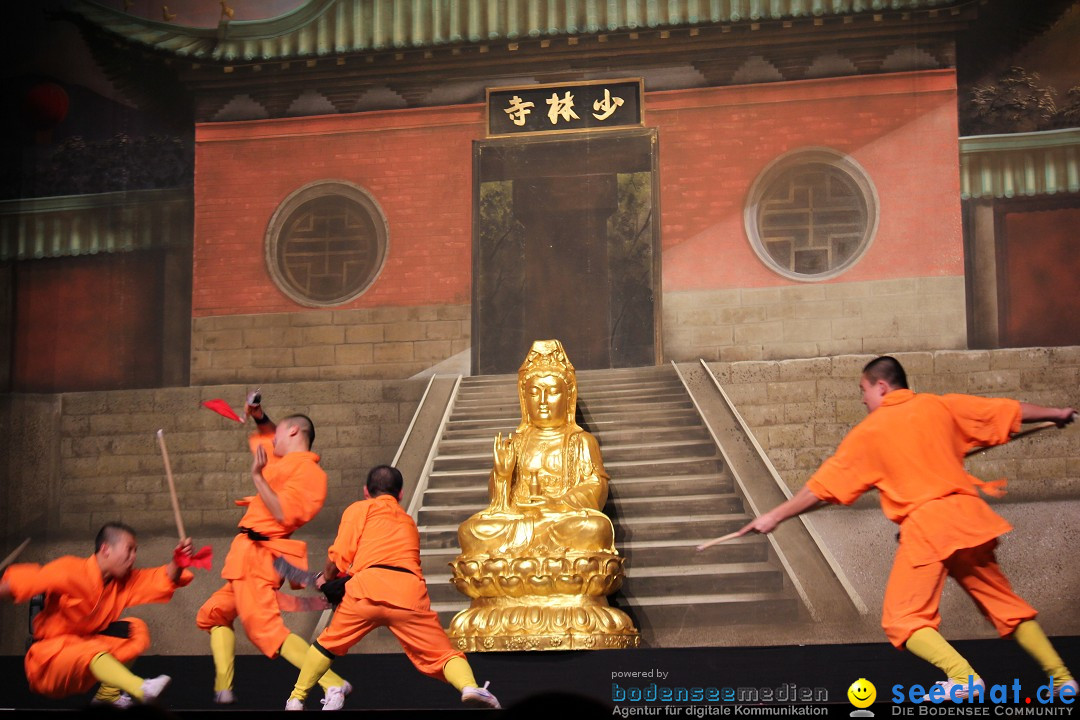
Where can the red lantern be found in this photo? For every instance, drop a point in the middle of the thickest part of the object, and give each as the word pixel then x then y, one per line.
pixel 46 106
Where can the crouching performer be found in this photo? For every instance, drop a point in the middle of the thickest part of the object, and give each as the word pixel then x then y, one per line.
pixel 79 636
pixel 378 545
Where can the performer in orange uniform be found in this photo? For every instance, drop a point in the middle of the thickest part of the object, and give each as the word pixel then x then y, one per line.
pixel 911 447
pixel 291 490
pixel 379 546
pixel 79 637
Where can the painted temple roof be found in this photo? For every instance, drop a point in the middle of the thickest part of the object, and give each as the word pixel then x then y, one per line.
pixel 329 27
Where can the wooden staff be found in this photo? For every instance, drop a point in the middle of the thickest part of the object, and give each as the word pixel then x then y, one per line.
pixel 722 539
pixel 172 485
pixel 13 554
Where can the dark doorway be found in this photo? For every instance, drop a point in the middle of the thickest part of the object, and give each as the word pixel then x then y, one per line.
pixel 566 246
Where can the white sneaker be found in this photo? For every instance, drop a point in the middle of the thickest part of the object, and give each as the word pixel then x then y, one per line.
pixel 1067 684
pixel 294 704
pixel 479 697
pixel 153 687
pixel 963 690
pixel 224 697
pixel 335 697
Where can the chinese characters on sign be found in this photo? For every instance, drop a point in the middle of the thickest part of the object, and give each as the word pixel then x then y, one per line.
pixel 598 105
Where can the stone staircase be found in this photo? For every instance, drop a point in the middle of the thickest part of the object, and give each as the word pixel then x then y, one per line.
pixel 669 491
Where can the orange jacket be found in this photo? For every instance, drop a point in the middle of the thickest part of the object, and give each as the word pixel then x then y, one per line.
pixel 300 485
pixel 912 450
pixel 78 602
pixel 380 532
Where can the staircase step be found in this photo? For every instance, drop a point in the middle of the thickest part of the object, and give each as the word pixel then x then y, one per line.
pixel 684 418
pixel 705 610
pixel 653 488
pixel 450 514
pixel 468 397
pixel 672 580
pixel 626 530
pixel 689 469
pixel 481 440
pixel 640 556
pixel 611 453
pixel 512 413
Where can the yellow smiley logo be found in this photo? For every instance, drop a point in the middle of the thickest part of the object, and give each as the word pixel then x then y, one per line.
pixel 862 693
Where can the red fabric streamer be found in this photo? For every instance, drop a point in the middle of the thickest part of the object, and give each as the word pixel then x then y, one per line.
pixel 222 408
pixel 201 559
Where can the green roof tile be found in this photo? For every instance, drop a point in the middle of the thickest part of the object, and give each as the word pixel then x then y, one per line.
pixel 329 27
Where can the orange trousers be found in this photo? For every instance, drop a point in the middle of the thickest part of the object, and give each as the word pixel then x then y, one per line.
pixel 419 632
pixel 913 594
pixel 60 666
pixel 254 601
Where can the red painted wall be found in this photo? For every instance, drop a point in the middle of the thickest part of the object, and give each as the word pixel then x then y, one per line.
pixel 901 128
pixel 88 323
pixel 416 164
pixel 1040 305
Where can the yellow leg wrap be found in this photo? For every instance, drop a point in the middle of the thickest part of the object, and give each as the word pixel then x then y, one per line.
pixel 458 673
pixel 295 650
pixel 107 693
pixel 1029 634
pixel 110 671
pixel 312 670
pixel 223 648
pixel 928 644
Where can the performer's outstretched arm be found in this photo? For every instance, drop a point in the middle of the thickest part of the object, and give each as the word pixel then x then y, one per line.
pixel 799 503
pixel 1037 413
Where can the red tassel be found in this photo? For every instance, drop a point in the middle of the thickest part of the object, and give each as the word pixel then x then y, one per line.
pixel 994 488
pixel 222 408
pixel 293 603
pixel 201 559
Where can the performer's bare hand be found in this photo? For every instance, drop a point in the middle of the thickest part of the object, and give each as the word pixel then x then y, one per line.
pixel 762 524
pixel 253 404
pixel 1068 416
pixel 260 460
pixel 184 547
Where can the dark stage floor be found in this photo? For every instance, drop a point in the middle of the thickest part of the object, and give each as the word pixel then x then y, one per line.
pixel 388 683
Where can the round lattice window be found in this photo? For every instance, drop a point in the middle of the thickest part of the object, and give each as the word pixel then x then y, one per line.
pixel 811 214
pixel 326 243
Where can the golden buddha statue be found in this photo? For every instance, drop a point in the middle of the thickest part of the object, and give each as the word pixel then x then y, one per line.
pixel 541 559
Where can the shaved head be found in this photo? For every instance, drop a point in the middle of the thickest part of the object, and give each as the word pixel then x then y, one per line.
pixel 888 369
pixel 110 533
pixel 307 428
pixel 384 480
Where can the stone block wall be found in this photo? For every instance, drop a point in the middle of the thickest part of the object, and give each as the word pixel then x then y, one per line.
pixel 78 460
pixel 385 342
pixel 815 320
pixel 799 410
pixel 94 457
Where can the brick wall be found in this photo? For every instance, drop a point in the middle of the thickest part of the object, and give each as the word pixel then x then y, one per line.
pixel 385 342
pixel 799 410
pixel 813 320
